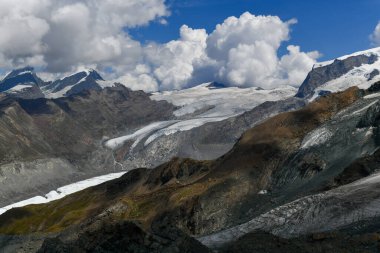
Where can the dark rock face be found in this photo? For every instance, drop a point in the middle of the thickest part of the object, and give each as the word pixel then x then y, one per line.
pixel 321 75
pixel 124 237
pixel 374 87
pixel 373 74
pixel 216 85
pixel 262 242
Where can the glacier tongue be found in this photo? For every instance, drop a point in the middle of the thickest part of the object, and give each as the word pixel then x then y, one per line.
pixel 201 105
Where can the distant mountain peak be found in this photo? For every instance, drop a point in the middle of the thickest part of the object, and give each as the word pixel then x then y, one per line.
pixel 216 85
pixel 16 72
pixel 360 69
pixel 22 82
pixel 83 80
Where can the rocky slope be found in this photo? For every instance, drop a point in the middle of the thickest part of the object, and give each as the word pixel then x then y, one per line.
pixel 270 167
pixel 199 197
pixel 45 144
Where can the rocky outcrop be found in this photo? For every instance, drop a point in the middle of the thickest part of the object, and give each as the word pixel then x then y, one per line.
pixel 123 237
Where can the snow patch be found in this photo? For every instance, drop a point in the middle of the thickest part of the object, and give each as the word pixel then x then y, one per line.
pixel 63 191
pixel 19 88
pixel 375 95
pixel 263 192
pixel 317 137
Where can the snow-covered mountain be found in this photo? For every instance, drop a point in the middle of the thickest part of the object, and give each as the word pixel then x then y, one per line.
pixel 246 161
pixel 360 69
pixel 25 83
pixel 22 83
pixel 73 84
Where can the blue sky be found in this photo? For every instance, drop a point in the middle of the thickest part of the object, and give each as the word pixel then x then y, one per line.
pixel 333 27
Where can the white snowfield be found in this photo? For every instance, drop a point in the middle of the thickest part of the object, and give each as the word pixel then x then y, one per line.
pixel 19 87
pixel 220 102
pixel 355 202
pixel 57 94
pixel 200 105
pixel 63 191
pixel 356 77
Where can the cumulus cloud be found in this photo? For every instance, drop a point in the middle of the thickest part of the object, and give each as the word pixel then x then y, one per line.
pixel 64 34
pixel 375 36
pixel 239 52
pixel 70 34
pixel 247 50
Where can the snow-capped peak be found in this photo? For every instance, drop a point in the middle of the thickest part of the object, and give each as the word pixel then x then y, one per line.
pixel 360 69
pixel 369 52
pixel 83 80
pixel 18 72
pixel 22 83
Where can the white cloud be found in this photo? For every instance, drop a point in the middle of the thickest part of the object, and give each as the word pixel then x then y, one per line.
pixel 246 30
pixel 247 51
pixel 294 66
pixel 375 36
pixel 239 52
pixel 62 36
pixel 139 78
pixel 22 32
pixel 173 63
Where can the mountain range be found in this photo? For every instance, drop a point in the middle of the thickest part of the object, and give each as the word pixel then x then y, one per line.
pixel 212 168
pixel 25 83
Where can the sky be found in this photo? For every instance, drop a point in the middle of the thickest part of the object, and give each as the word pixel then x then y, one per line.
pixel 174 44
pixel 333 27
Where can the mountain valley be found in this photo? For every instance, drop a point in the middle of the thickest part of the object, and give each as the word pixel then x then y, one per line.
pixel 211 168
